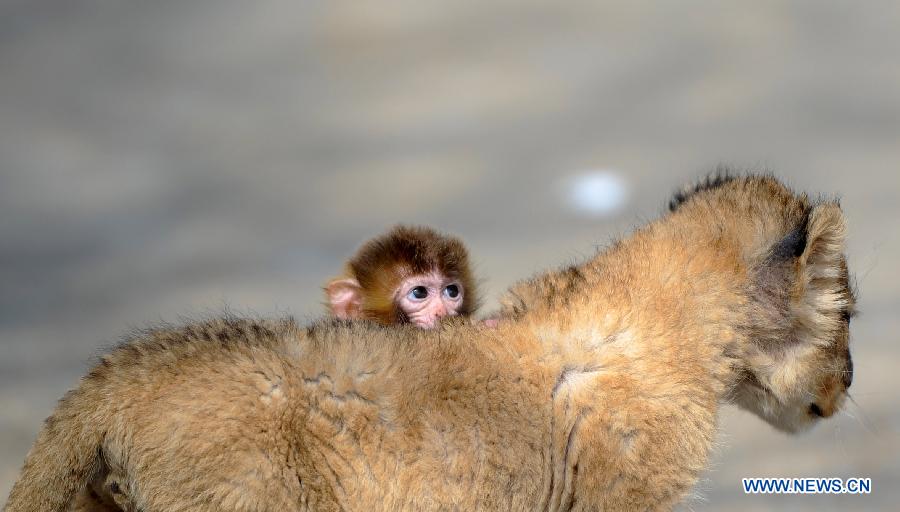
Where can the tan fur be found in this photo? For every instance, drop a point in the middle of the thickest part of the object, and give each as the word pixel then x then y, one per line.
pixel 372 275
pixel 598 391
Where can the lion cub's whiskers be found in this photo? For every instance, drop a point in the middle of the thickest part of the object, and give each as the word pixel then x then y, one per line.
pixel 863 418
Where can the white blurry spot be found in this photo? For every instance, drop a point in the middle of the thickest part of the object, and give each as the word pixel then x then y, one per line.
pixel 598 193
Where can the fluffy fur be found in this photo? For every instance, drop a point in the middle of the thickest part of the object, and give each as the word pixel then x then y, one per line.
pixel 598 390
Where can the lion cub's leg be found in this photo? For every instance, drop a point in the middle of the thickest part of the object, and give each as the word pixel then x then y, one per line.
pixel 104 494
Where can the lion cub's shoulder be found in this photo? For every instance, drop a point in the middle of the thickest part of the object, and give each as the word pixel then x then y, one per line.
pixel 541 292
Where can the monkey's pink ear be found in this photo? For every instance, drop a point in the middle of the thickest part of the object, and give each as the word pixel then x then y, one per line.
pixel 345 298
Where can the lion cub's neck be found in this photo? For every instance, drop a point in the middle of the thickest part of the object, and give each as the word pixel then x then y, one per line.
pixel 665 302
pixel 642 340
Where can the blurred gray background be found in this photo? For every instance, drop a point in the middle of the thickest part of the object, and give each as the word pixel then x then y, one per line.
pixel 170 158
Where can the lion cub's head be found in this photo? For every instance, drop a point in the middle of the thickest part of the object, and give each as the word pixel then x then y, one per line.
pixel 796 367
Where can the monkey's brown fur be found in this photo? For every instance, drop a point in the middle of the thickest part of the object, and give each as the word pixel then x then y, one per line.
pixel 600 390
pixel 383 262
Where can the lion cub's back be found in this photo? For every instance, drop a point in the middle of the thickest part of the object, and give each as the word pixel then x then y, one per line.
pixel 205 413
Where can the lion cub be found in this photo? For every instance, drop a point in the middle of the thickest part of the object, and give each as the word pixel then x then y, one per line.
pixel 599 390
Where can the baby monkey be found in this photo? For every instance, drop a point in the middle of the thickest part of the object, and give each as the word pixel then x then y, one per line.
pixel 411 274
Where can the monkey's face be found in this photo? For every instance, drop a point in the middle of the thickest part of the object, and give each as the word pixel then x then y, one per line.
pixel 426 298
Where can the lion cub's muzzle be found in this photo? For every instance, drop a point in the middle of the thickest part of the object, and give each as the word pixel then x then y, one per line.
pixel 833 392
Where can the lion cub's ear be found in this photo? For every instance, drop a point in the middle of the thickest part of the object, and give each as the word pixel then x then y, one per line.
pixel 825 235
pixel 821 295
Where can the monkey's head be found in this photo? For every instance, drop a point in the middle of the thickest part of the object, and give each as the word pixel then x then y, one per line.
pixel 407 275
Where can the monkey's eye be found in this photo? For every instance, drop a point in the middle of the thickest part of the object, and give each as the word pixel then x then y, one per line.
pixel 452 291
pixel 418 293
